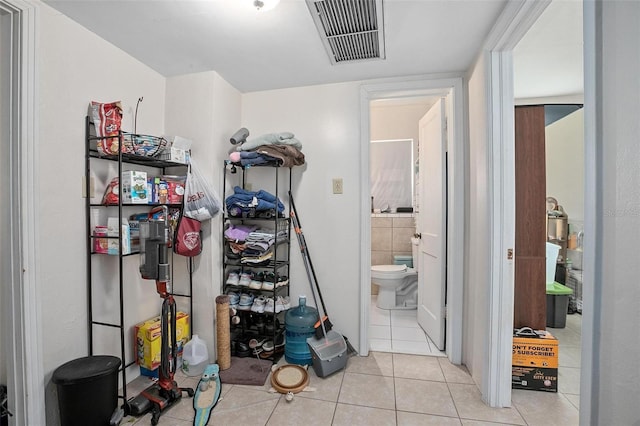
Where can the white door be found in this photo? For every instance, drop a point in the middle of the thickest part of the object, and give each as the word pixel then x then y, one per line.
pixel 432 221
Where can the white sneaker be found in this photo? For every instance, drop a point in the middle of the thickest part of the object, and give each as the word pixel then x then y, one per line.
pixel 256 282
pixel 269 306
pixel 233 278
pixel 258 304
pixel 282 304
pixel 245 279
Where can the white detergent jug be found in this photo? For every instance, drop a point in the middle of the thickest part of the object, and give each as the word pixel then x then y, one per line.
pixel 194 356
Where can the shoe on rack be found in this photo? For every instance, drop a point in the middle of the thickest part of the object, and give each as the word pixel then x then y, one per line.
pixel 246 301
pixel 242 349
pixel 234 298
pixel 245 279
pixel 270 305
pixel 233 278
pixel 256 281
pixel 282 281
pixel 282 304
pixel 267 285
pixel 258 304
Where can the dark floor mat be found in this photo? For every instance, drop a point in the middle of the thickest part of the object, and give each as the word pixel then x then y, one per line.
pixel 246 371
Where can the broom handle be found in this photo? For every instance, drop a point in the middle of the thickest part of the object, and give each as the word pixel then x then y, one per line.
pixel 307 266
pixel 304 249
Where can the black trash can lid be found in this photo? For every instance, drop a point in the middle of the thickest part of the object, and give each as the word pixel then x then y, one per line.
pixel 85 369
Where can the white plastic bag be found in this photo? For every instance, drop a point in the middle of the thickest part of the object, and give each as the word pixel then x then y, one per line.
pixel 201 202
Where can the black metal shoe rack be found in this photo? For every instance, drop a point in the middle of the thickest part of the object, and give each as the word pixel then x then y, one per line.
pixel 268 325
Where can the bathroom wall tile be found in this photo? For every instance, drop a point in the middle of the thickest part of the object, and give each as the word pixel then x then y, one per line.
pixel 402 240
pixel 381 222
pixel 381 239
pixel 381 257
pixel 404 222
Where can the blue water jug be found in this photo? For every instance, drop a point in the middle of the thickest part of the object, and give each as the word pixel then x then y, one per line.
pixel 299 325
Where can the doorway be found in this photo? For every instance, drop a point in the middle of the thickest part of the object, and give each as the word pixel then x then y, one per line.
pixel 21 357
pixel 406 90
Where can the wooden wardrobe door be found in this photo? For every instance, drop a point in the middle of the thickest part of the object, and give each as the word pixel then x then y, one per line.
pixel 530 305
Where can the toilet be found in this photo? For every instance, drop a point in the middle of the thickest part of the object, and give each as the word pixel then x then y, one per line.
pixel 398 286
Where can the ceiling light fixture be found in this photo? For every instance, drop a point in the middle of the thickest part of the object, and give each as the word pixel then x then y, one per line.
pixel 265 5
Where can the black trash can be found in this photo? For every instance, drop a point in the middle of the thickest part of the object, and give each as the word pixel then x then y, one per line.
pixel 87 390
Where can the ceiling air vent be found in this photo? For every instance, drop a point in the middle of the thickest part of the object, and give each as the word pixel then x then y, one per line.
pixel 351 30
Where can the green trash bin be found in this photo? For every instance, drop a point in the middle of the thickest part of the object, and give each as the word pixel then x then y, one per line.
pixel 557 304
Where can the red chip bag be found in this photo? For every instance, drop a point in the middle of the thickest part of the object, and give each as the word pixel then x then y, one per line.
pixel 107 119
pixel 112 193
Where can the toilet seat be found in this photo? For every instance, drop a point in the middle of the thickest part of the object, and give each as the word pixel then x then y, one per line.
pixel 389 269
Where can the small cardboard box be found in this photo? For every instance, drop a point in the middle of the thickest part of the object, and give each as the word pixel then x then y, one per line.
pixel 134 187
pixel 100 245
pixel 534 363
pixel 148 339
pixel 112 231
pixel 181 150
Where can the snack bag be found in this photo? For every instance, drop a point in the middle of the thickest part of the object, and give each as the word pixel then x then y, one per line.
pixel 107 119
pixel 112 193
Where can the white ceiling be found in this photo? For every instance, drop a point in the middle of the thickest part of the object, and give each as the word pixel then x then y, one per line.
pixel 281 48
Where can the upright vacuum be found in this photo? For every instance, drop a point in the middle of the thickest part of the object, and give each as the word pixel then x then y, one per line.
pixel 155 236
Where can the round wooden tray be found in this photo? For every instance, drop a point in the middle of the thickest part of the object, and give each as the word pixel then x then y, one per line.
pixel 289 378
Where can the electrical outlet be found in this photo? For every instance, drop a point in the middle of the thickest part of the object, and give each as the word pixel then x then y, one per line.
pixel 92 187
pixel 337 185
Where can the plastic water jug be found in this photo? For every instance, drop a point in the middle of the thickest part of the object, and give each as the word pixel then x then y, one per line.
pixel 299 325
pixel 194 357
pixel 552 257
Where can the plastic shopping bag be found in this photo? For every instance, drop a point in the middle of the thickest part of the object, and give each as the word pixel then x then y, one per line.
pixel 201 202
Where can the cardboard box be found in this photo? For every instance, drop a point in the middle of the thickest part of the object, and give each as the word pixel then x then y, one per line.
pixel 180 150
pixel 112 231
pixel 148 339
pixel 134 187
pixel 534 363
pixel 100 245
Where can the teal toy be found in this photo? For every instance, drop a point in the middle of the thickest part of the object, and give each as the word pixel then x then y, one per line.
pixel 207 395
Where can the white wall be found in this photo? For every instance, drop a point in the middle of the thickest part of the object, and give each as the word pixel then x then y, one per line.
pixel 397 122
pixel 564 151
pixel 326 119
pixel 206 109
pixel 77 67
pixel 611 253
pixel 478 225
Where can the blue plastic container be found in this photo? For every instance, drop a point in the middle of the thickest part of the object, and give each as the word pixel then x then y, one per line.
pixel 299 324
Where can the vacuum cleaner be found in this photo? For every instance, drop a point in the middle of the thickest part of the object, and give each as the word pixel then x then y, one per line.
pixel 154 265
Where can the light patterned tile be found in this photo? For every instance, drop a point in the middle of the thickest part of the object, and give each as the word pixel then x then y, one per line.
pixel 409 347
pixel 398 319
pixel 467 422
pixel 569 380
pixel 408 333
pixel 416 419
pixel 349 415
pixel 417 367
pixel 380 345
pixel 545 408
pixel 470 406
pixel 574 399
pixel 379 316
pixel 377 363
pixel 252 413
pixel 455 373
pixel 324 388
pixel 300 411
pixel 569 356
pixel 419 396
pixel 379 332
pixel 367 390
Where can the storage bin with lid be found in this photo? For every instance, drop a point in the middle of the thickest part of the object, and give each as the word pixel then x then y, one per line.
pixel 329 353
pixel 87 390
pixel 195 356
pixel 299 326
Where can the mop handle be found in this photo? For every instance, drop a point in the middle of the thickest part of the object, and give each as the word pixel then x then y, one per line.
pixel 305 259
pixel 303 247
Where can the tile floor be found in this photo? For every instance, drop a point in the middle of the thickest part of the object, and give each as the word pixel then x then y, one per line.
pixel 391 389
pixel 398 331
